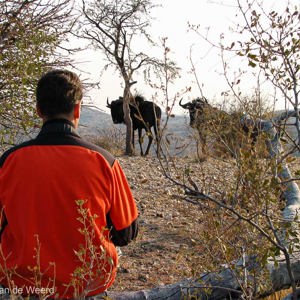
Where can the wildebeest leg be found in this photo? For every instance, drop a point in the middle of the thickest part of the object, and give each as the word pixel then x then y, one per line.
pixel 150 137
pixel 140 140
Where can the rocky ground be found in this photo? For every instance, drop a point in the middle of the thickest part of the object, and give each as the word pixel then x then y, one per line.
pixel 166 226
pixel 168 222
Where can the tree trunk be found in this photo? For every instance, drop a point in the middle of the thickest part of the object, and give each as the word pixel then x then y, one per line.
pixel 291 190
pixel 129 149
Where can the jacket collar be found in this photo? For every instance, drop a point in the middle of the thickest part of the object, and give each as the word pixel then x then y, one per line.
pixel 58 126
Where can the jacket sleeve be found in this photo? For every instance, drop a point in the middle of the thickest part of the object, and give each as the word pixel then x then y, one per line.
pixel 3 220
pixel 124 236
pixel 122 219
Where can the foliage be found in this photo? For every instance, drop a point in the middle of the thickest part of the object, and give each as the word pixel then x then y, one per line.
pixel 95 264
pixel 273 45
pixel 269 42
pixel 244 215
pixel 240 218
pixel 30 32
pixel 34 282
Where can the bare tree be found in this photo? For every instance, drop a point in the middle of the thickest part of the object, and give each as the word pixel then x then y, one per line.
pixel 115 27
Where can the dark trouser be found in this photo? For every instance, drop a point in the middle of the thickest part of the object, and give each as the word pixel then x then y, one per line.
pixel 4 292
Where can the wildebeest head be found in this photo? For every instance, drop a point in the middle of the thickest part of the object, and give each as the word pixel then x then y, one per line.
pixel 196 109
pixel 117 112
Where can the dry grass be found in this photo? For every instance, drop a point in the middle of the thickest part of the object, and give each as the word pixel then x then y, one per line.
pixel 278 295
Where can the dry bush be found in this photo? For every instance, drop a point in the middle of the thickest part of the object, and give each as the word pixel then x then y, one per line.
pixel 111 139
pixel 245 192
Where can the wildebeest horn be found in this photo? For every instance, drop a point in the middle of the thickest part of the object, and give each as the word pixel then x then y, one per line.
pixel 183 105
pixel 107 103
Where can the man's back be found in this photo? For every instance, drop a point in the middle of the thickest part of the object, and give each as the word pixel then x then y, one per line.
pixel 40 182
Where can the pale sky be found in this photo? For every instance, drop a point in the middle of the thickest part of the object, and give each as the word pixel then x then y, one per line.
pixel 171 20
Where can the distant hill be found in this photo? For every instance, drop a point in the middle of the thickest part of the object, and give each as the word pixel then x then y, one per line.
pixel 92 120
pixel 178 134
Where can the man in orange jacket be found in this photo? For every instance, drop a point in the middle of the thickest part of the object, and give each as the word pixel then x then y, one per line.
pixel 65 203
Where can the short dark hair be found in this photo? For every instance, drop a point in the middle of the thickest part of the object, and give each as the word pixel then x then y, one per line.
pixel 57 92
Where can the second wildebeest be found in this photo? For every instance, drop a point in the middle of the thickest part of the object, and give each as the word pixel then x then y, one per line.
pixel 144 115
pixel 227 128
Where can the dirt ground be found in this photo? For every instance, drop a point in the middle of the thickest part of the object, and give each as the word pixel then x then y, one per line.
pixel 166 226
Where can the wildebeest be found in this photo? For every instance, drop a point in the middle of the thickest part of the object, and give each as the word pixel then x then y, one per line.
pixel 224 127
pixel 144 115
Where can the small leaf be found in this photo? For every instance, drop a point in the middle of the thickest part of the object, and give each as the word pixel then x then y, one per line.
pixel 252 64
pixel 252 56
